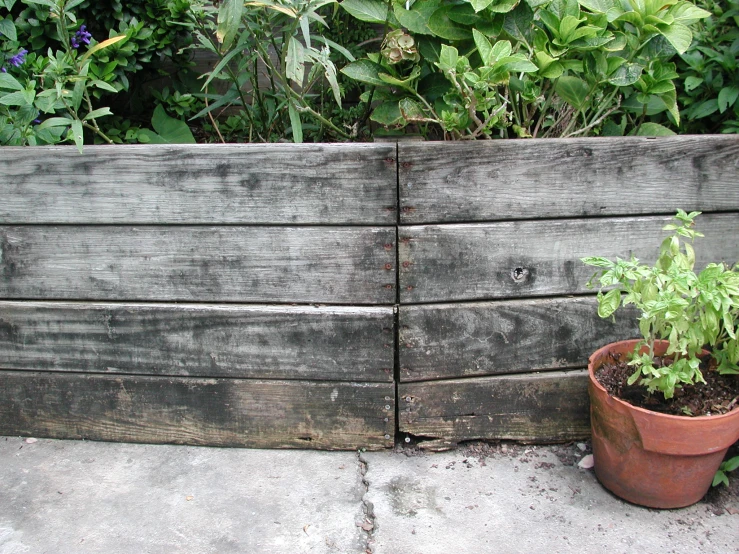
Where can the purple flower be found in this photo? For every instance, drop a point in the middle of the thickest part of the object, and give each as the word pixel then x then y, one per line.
pixel 81 37
pixel 19 58
pixel 2 69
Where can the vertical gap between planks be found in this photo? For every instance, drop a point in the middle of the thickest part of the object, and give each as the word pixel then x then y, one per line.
pixel 396 367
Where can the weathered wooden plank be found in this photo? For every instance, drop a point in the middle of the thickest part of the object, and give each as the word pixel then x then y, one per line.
pixel 196 340
pixel 536 258
pixel 352 265
pixel 532 407
pixel 441 341
pixel 515 179
pixel 208 184
pixel 215 412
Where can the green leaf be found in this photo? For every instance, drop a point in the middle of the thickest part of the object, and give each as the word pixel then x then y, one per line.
pixel 727 98
pixel 416 19
pixel 519 22
pixel 572 90
pixel 388 114
pixel 229 21
pixel 442 26
pixel 692 83
pixel 168 130
pixel 100 112
pixel 77 136
pixel 678 35
pixel 7 28
pixel 654 130
pixel 364 71
pixel 55 122
pixel 608 303
pixel 295 61
pixel 484 47
pixel 20 98
pixel 687 13
pixel 448 58
pixel 599 6
pixel 626 74
pixel 479 5
pixel 103 85
pixel 295 123
pixel 371 11
pixel 7 81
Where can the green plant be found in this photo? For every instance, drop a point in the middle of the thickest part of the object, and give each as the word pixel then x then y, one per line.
pixel 729 465
pixel 529 68
pixel 709 72
pixel 58 85
pixel 277 39
pixel 692 311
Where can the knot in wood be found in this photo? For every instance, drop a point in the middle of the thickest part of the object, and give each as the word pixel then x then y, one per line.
pixel 520 274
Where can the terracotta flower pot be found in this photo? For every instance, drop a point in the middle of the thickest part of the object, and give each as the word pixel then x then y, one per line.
pixel 649 458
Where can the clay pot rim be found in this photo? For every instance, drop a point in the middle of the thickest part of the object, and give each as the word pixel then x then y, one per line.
pixel 632 343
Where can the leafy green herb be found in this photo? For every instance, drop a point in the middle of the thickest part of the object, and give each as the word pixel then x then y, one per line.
pixel 692 311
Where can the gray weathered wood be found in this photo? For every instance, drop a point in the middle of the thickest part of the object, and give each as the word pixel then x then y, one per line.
pixel 441 341
pixel 240 264
pixel 535 258
pixel 532 407
pixel 196 340
pixel 217 412
pixel 210 184
pixel 516 179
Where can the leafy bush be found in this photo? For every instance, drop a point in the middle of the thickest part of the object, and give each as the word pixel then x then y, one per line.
pixel 709 72
pixel 532 68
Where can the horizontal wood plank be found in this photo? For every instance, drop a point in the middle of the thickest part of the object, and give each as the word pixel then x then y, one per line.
pixel 213 412
pixel 532 407
pixel 196 340
pixel 537 258
pixel 204 184
pixel 442 341
pixel 348 265
pixel 517 179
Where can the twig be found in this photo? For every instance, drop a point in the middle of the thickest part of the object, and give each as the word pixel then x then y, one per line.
pixel 212 119
pixel 597 121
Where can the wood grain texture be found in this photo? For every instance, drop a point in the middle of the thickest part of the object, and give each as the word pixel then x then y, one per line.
pixel 214 412
pixel 536 258
pixel 517 179
pixel 442 341
pixel 208 184
pixel 351 265
pixel 532 407
pixel 196 340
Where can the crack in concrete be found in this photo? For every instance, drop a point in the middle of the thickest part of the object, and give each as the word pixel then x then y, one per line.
pixel 369 524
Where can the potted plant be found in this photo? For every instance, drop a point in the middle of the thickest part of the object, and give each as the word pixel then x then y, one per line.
pixel 664 407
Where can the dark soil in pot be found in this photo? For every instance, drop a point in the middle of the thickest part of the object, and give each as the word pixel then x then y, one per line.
pixel 719 395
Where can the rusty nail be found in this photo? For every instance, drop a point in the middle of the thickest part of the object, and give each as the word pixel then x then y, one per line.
pixel 408 345
pixel 390 160
pixel 406 264
pixel 388 266
pixel 409 287
pixel 388 246
pixel 388 287
pixel 406 165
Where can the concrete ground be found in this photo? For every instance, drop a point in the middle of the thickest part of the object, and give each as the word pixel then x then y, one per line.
pixel 89 497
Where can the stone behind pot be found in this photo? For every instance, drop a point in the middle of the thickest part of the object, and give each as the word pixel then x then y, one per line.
pixel 649 458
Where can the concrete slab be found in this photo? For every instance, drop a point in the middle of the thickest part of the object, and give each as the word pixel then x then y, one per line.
pixel 527 499
pixel 95 497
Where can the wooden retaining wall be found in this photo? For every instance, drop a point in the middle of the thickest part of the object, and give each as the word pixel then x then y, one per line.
pixel 253 295
pixel 227 295
pixel 495 322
